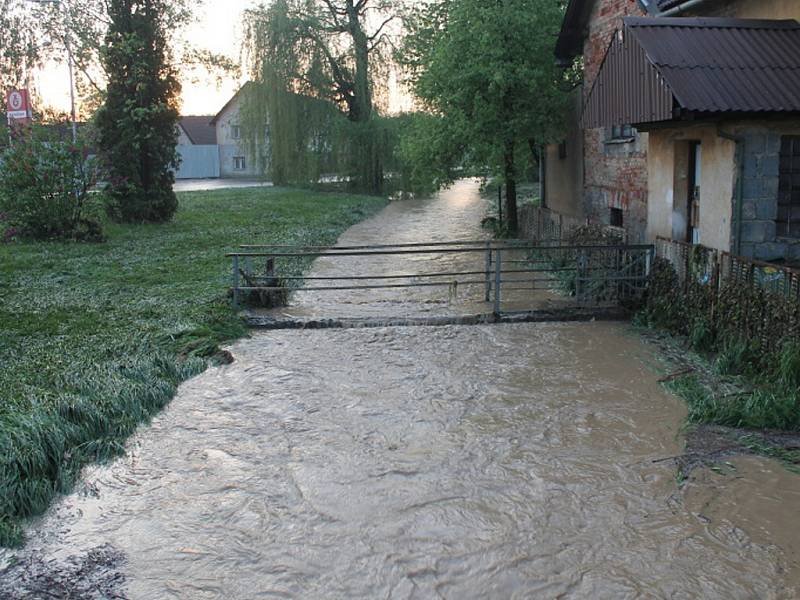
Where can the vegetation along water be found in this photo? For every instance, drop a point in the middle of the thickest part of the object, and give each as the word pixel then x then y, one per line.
pixel 95 338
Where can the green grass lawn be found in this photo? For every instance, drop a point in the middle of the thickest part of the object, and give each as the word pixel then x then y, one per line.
pixel 95 338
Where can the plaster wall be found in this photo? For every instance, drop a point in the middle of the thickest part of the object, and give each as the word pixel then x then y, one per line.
pixel 230 147
pixel 564 167
pixel 668 188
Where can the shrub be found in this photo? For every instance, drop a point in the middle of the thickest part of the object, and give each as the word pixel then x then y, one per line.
pixel 45 186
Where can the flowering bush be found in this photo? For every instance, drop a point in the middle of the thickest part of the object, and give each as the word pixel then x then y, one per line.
pixel 45 185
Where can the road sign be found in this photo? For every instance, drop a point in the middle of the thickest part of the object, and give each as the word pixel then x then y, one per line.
pixel 18 106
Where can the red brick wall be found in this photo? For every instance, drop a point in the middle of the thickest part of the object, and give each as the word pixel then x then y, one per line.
pixel 615 175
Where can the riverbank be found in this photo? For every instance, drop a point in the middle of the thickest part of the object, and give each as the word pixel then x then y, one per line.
pixel 714 431
pixel 95 338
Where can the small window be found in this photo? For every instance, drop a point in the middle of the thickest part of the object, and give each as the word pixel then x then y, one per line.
pixel 788 222
pixel 238 163
pixel 616 217
pixel 236 132
pixel 562 150
pixel 620 133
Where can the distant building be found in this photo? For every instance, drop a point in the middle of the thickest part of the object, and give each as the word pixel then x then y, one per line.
pixel 197 146
pixel 237 158
pixel 215 146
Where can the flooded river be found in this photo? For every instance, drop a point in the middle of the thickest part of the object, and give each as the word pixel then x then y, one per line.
pixel 497 461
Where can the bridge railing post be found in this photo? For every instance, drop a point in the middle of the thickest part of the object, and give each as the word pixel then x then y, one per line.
pixel 488 285
pixel 497 280
pixel 235 282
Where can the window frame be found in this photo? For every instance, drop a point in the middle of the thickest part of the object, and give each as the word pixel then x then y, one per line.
pixel 620 134
pixel 616 217
pixel 236 132
pixel 236 160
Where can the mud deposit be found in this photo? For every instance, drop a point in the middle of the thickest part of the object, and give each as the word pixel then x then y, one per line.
pixel 96 574
pixel 486 461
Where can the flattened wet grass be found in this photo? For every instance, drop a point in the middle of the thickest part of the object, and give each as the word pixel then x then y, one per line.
pixel 95 338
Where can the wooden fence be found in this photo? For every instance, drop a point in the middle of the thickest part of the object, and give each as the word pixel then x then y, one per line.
pixel 715 267
pixel 544 225
pixel 738 297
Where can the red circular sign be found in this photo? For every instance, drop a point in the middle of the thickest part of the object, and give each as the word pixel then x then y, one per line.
pixel 15 100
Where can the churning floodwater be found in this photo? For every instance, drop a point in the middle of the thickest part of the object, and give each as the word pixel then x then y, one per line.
pixel 496 461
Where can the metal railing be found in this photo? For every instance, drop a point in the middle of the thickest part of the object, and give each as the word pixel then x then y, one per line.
pixel 593 275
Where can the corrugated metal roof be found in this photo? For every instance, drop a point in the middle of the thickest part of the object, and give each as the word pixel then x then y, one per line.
pixel 199 129
pixel 724 65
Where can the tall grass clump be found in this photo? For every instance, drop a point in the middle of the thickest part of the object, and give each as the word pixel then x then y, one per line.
pixel 96 338
pixel 746 332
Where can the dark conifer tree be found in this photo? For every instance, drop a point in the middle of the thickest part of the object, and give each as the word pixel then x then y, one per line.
pixel 137 124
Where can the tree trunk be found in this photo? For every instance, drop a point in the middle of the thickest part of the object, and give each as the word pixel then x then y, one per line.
pixel 362 109
pixel 510 173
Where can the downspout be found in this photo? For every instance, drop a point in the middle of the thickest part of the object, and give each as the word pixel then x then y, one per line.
pixel 738 192
pixel 681 8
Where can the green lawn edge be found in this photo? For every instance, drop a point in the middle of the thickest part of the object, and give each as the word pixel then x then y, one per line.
pixel 96 338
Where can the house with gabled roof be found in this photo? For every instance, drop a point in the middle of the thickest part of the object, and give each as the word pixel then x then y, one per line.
pixel 197 148
pixel 239 155
pixel 690 121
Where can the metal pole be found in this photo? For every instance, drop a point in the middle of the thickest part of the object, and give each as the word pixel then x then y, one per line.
pixel 235 282
pixel 488 290
pixel 71 82
pixel 497 271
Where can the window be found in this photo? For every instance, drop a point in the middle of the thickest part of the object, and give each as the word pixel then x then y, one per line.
pixel 788 222
pixel 238 163
pixel 562 150
pixel 236 132
pixel 616 217
pixel 621 133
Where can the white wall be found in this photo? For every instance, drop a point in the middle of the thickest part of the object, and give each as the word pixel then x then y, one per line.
pixel 230 147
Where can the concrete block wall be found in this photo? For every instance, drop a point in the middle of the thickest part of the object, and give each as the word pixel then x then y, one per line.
pixel 760 176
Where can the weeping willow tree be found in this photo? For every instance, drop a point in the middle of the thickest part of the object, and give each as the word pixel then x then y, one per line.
pixel 318 66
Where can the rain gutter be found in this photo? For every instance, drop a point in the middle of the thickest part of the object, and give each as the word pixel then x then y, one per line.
pixel 681 8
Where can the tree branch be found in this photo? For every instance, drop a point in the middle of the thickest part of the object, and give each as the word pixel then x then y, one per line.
pixel 335 14
pixel 384 24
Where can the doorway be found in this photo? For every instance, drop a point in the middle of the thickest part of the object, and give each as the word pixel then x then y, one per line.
pixel 694 173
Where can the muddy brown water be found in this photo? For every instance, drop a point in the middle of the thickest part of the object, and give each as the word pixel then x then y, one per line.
pixel 497 461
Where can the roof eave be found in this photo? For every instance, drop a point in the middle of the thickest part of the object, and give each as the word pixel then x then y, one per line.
pixel 573 30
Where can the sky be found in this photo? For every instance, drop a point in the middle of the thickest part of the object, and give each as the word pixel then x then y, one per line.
pixel 218 29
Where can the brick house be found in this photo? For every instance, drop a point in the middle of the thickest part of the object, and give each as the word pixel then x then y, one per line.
pixel 690 126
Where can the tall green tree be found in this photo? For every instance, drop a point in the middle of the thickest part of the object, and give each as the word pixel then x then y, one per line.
pixel 485 68
pixel 137 123
pixel 19 47
pixel 332 50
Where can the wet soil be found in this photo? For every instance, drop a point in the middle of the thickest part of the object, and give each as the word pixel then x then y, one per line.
pixel 93 575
